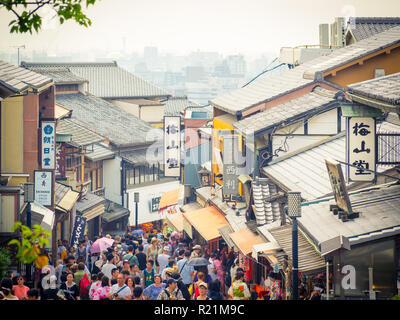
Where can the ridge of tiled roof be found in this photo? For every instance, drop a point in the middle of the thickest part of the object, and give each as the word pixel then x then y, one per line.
pixel 365 27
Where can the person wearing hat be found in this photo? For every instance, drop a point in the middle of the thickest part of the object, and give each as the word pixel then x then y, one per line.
pixel 203 289
pixel 163 258
pixel 196 251
pixel 167 274
pixel 171 292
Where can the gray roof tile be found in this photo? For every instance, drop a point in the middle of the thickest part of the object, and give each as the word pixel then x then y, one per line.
pixel 288 81
pixel 386 89
pixel 175 105
pixel 365 27
pixel 107 80
pixel 81 136
pixel 102 117
pixel 59 75
pixel 378 208
pixel 20 79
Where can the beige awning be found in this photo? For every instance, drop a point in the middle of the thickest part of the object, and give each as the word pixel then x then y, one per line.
pixel 175 221
pixel 68 201
pixel 47 222
pixel 225 233
pixel 207 221
pixel 94 212
pixel 245 239
pixel 170 198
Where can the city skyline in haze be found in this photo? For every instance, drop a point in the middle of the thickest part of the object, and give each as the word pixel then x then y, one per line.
pixel 179 27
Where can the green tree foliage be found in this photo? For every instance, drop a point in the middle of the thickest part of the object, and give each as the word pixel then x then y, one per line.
pixel 30 241
pixel 4 262
pixel 28 17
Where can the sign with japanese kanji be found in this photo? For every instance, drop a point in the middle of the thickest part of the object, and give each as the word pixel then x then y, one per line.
pixel 78 232
pixel 155 202
pixel 60 160
pixel 44 187
pixel 231 168
pixel 338 184
pixel 361 148
pixel 48 144
pixel 172 146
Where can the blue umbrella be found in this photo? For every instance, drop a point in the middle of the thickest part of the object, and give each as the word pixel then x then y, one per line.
pixel 137 232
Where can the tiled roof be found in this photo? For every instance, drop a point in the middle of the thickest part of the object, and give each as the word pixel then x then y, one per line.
pixel 306 171
pixel 117 125
pixel 316 101
pixel 107 80
pixel 378 210
pixel 175 105
pixel 89 201
pixel 261 91
pixel 386 88
pixel 60 191
pixel 140 157
pixel 311 71
pixel 81 136
pixel 100 152
pixel 367 27
pixel 266 212
pixel 19 79
pixel 115 213
pixel 59 75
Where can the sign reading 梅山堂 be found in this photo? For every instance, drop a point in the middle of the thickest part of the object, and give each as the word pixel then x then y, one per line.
pixel 231 170
pixel 44 187
pixel 361 142
pixel 172 146
pixel 48 145
pixel 79 230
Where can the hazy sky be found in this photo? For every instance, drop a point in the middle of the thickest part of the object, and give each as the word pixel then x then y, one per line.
pixel 181 26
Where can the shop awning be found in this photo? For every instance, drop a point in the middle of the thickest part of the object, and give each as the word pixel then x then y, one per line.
pixel 48 216
pixel 245 239
pixel 114 211
pixel 90 206
pixel 170 198
pixel 225 233
pixel 309 259
pixel 207 221
pixel 175 221
pixel 68 201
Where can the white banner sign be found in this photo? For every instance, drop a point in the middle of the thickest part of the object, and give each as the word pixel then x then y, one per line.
pixel 48 145
pixel 44 187
pixel 361 148
pixel 172 146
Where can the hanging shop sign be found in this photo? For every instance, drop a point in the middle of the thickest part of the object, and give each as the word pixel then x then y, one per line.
pixel 79 231
pixel 44 187
pixel 48 144
pixel 361 148
pixel 172 146
pixel 231 168
pixel 60 160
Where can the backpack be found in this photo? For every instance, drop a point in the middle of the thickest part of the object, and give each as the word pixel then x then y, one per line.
pixel 84 285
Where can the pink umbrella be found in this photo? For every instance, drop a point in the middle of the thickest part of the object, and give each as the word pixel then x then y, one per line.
pixel 101 244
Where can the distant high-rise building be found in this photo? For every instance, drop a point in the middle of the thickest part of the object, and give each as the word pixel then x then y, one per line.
pixel 150 52
pixel 338 30
pixel 324 35
pixel 236 64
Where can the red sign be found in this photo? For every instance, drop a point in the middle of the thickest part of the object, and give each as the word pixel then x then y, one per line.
pixel 60 160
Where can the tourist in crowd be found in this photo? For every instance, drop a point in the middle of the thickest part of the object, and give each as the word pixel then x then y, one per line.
pixel 148 274
pixel 203 288
pixel 239 289
pixel 6 290
pixel 20 290
pixel 69 289
pixel 104 289
pixel 171 292
pixel 152 291
pixel 96 284
pixel 214 290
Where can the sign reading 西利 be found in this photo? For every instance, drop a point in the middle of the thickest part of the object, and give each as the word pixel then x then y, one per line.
pixel 79 230
pixel 44 187
pixel 172 146
pixel 155 202
pixel 48 144
pixel 231 168
pixel 361 142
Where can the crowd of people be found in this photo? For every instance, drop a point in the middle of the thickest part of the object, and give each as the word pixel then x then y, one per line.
pixel 149 266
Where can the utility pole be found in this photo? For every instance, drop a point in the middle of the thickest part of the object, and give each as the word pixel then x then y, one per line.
pixel 19 47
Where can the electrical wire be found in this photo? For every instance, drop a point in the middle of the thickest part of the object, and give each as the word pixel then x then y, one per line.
pixel 265 71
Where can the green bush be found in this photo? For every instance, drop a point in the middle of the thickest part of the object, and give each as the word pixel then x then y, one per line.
pixel 4 262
